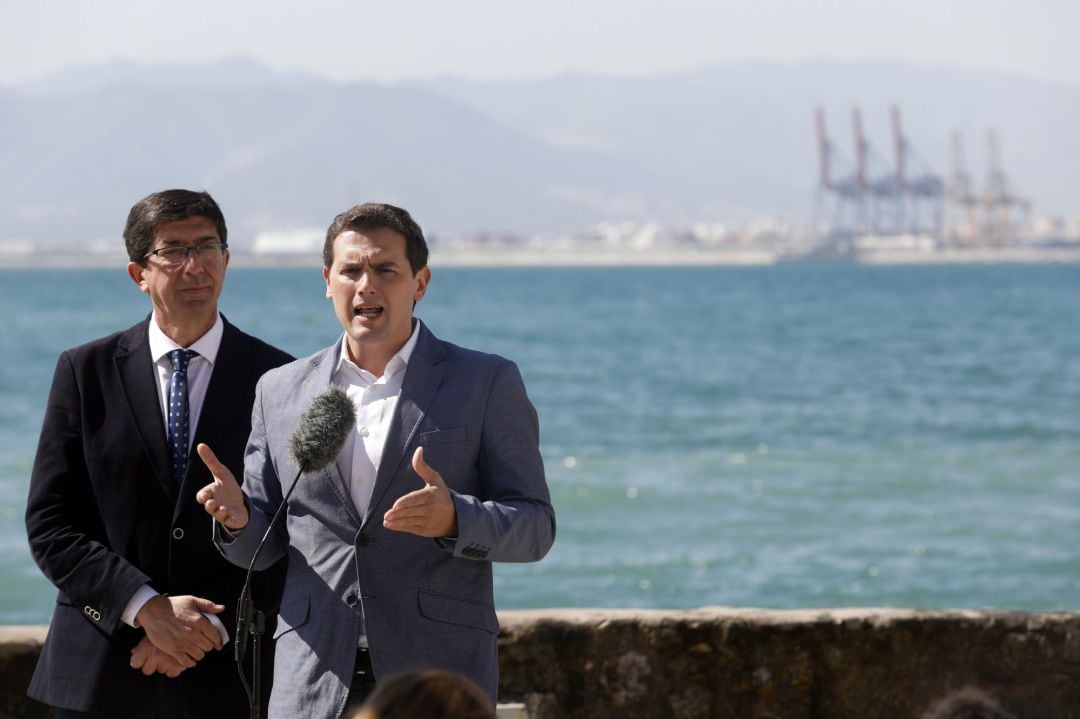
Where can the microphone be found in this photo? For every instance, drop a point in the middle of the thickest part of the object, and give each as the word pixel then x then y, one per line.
pixel 323 429
pixel 317 441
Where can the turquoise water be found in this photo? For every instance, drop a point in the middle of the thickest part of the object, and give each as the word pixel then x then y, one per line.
pixel 793 436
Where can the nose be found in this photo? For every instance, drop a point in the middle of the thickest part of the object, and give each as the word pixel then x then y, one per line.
pixel 191 262
pixel 365 283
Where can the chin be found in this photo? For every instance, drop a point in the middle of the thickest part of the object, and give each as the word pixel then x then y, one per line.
pixel 365 335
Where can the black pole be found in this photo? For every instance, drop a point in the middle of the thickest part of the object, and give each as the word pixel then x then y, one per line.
pixel 251 622
pixel 257 630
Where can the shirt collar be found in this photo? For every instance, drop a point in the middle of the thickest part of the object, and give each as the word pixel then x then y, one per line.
pixel 396 364
pixel 207 346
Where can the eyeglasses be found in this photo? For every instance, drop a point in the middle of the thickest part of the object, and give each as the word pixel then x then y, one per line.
pixel 176 255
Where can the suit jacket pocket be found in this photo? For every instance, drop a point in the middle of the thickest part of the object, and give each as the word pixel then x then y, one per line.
pixel 458 610
pixel 292 617
pixel 442 436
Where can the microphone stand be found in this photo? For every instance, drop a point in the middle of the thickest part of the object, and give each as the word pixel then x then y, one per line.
pixel 251 621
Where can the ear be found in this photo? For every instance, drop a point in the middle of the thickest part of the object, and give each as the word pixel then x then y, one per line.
pixel 326 278
pixel 135 272
pixel 423 277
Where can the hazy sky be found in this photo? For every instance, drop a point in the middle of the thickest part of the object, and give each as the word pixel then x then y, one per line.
pixel 530 38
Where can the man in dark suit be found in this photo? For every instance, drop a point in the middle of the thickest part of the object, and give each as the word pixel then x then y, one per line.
pixel 144 597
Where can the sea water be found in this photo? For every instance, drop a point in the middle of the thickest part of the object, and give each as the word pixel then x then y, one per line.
pixel 805 435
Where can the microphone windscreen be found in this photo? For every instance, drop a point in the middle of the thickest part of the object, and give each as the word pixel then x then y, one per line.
pixel 324 427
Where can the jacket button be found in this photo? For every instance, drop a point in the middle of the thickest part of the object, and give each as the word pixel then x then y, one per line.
pixel 363 540
pixel 352 599
pixel 178 533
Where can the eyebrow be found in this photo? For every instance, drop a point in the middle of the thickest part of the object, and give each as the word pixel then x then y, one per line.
pixel 347 263
pixel 172 241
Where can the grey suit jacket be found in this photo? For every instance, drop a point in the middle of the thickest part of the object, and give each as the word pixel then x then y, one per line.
pixel 427 604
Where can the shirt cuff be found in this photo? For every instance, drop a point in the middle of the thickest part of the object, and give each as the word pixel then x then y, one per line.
pixel 212 618
pixel 142 595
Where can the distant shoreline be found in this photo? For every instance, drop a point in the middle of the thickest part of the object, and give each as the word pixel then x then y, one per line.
pixel 453 258
pixel 732 257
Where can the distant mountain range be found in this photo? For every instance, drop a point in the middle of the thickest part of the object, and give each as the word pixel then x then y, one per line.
pixel 283 152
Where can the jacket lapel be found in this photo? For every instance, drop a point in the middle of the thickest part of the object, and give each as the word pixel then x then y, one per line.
pixel 136 371
pixel 422 379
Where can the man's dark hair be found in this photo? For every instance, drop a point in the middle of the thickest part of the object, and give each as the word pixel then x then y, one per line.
pixel 377 215
pixel 154 210
pixel 421 694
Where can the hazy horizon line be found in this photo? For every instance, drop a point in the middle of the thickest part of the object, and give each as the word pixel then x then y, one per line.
pixel 407 79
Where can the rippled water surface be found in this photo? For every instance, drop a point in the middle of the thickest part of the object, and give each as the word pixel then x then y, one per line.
pixel 794 436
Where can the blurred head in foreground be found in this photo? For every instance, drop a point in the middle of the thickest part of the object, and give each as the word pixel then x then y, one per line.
pixel 430 694
pixel 968 703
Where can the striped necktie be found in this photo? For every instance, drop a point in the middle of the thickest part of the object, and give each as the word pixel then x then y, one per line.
pixel 179 424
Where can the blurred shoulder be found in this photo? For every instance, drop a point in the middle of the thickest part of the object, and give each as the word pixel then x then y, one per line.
pixel 103 348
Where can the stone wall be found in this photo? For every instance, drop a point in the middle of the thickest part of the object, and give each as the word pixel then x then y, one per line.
pixel 757 664
pixel 19 649
pixel 829 664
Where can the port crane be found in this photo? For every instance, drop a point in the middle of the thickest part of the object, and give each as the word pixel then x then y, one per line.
pixel 873 196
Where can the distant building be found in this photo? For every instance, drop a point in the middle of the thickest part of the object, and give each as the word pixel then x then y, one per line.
pixel 289 242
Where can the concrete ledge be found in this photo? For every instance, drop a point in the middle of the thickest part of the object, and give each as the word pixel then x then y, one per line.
pixel 807 664
pixel 725 662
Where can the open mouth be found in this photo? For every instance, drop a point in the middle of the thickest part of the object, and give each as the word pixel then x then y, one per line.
pixel 368 312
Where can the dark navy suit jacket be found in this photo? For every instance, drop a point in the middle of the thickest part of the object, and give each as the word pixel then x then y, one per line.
pixel 105 515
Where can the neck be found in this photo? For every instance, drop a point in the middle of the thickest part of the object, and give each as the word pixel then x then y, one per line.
pixel 184 331
pixel 372 359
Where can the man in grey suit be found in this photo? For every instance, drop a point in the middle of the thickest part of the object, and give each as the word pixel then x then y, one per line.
pixel 390 547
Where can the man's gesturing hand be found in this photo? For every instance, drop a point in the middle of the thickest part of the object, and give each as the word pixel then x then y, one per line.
pixel 149 659
pixel 222 499
pixel 176 626
pixel 428 512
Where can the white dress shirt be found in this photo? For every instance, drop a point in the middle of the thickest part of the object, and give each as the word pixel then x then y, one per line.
pixel 198 373
pixel 375 399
